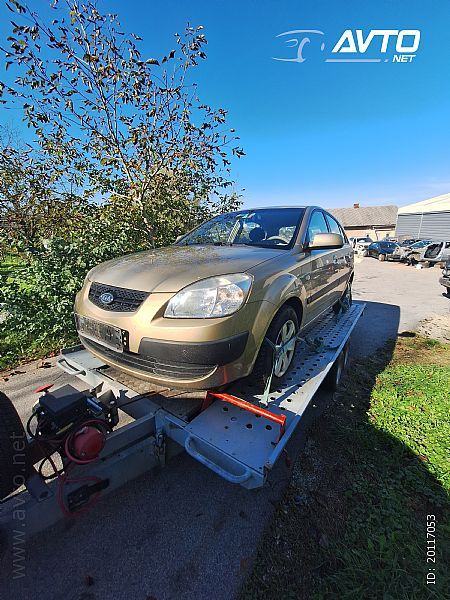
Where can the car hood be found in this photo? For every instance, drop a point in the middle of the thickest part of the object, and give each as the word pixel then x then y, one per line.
pixel 173 268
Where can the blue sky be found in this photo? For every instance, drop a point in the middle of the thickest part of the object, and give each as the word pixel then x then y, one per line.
pixel 317 132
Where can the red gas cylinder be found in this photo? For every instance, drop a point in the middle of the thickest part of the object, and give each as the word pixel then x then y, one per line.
pixel 87 443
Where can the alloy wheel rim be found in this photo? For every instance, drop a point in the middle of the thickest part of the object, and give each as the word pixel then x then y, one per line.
pixel 286 338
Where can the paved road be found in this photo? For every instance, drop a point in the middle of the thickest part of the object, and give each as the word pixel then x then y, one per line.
pixel 184 533
pixel 400 296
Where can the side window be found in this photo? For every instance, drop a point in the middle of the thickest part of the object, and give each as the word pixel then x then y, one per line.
pixel 336 228
pixel 334 225
pixel 317 224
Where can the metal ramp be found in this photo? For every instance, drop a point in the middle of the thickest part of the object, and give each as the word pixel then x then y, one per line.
pixel 254 441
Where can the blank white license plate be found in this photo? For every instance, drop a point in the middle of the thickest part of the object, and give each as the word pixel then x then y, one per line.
pixel 100 332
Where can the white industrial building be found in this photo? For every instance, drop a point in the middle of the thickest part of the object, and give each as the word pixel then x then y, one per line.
pixel 427 220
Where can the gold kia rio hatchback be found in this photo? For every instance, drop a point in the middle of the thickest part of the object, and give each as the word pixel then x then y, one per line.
pixel 195 315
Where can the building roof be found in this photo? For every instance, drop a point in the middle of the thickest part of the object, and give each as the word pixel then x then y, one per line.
pixel 366 216
pixel 436 204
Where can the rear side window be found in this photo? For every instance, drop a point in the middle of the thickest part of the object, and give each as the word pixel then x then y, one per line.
pixel 335 227
pixel 317 224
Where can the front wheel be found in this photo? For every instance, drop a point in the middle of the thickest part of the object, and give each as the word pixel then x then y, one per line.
pixel 282 331
pixel 381 257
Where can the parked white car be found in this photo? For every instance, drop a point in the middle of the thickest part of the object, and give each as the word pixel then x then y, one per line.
pixel 432 253
pixel 406 248
pixel 361 243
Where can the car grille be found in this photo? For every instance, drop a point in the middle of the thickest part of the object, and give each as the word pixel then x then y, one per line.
pixel 124 300
pixel 149 365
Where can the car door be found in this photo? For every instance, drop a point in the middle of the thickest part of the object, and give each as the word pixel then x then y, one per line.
pixel 342 261
pixel 319 285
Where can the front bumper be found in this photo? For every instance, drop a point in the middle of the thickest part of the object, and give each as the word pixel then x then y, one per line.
pixel 180 353
pixel 185 363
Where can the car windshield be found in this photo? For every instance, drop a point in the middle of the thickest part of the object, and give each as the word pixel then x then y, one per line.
pixel 365 239
pixel 265 228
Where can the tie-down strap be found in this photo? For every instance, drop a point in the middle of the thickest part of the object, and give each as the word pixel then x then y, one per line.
pixel 314 344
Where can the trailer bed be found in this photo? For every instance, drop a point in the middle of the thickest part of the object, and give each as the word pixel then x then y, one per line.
pixel 232 441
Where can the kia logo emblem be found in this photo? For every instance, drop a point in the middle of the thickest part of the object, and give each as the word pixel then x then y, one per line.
pixel 106 298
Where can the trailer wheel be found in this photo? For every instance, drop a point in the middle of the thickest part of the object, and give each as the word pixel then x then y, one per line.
pixel 13 441
pixel 334 376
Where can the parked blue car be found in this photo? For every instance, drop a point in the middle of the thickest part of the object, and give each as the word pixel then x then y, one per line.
pixel 381 250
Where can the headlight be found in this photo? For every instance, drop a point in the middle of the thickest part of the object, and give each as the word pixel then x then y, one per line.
pixel 209 298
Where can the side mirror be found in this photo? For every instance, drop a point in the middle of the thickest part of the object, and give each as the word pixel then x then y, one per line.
pixel 326 241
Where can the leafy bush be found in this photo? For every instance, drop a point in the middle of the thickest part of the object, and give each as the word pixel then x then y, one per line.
pixel 37 292
pixel 39 281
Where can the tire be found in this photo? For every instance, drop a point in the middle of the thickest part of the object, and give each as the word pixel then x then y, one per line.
pixel 365 253
pixel 381 257
pixel 347 293
pixel 334 375
pixel 264 361
pixel 13 463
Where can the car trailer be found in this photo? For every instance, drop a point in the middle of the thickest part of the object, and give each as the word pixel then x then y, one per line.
pixel 239 434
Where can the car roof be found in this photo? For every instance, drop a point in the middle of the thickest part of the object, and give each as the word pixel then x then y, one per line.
pixel 273 208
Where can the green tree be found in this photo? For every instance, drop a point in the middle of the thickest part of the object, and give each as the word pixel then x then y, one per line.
pixel 133 128
pixel 126 157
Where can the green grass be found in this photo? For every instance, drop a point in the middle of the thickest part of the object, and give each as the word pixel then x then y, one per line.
pixel 353 521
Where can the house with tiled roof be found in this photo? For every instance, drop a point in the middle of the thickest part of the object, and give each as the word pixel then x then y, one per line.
pixel 376 222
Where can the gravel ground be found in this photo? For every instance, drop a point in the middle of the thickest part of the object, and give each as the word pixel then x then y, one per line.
pixel 183 532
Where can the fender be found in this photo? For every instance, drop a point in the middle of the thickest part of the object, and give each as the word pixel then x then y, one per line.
pixel 280 287
pixel 276 291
